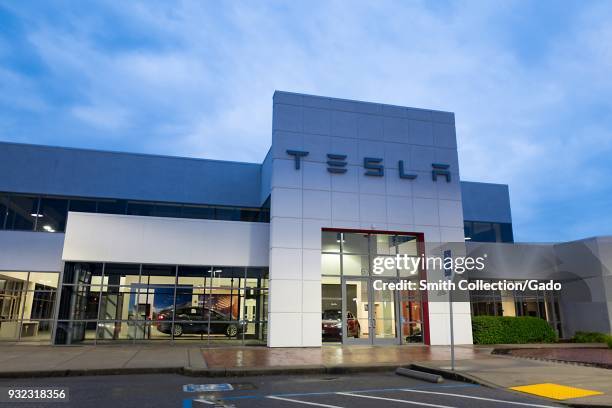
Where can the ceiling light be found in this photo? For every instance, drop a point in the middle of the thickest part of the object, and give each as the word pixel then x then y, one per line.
pixel 35 215
pixel 48 228
pixel 467 238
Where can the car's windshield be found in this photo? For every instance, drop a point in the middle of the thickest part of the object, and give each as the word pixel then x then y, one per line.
pixel 332 315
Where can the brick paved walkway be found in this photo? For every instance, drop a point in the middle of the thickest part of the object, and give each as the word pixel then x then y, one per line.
pixel 595 356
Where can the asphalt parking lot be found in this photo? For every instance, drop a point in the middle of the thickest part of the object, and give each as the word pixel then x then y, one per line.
pixel 362 390
pixel 347 391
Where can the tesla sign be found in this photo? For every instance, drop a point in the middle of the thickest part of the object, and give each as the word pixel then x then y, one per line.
pixel 336 163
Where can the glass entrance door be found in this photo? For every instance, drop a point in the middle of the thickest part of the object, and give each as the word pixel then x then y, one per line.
pixel 356 322
pixel 383 316
pixel 369 316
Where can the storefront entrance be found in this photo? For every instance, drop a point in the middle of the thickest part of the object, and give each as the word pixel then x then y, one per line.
pixel 353 310
pixel 369 315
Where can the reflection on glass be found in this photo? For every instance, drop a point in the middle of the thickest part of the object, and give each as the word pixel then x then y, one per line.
pixel 331 306
pixel 412 332
pixel 384 313
pixel 357 308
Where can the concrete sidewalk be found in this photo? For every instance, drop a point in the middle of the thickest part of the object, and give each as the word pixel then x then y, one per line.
pixel 30 361
pixel 505 372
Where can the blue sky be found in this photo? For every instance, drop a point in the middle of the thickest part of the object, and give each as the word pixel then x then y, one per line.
pixel 530 84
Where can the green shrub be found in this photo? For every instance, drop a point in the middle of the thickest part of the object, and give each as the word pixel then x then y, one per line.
pixel 511 330
pixel 589 337
pixel 609 342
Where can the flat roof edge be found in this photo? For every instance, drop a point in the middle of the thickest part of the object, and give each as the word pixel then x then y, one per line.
pixel 360 101
pixel 152 155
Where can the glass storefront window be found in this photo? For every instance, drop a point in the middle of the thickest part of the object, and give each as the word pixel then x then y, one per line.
pixel 112 206
pixel 164 302
pixel 384 244
pixel 479 231
pixel 507 303
pixel 49 213
pixel 330 264
pixel 331 241
pixel 167 210
pixel 89 206
pixel 4 203
pixel 331 307
pixel 348 276
pixel 22 213
pixel 27 303
pixel 198 212
pixel 227 214
pixel 355 265
pixel 406 244
pixel 121 274
pixel 52 215
pixel 135 208
pixel 354 243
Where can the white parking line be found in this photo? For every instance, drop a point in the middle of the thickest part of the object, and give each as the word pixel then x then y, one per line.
pixel 479 398
pixel 205 401
pixel 422 404
pixel 302 402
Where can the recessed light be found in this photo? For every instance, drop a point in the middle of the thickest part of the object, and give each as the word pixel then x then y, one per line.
pixel 35 215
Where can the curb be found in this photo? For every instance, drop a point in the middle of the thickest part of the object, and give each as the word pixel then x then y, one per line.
pixel 451 375
pixel 289 370
pixel 206 372
pixel 92 372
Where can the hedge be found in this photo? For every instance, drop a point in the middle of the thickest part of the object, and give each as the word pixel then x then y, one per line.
pixel 590 337
pixel 511 330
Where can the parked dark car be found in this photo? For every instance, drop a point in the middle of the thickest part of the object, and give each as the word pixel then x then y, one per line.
pixel 332 325
pixel 194 320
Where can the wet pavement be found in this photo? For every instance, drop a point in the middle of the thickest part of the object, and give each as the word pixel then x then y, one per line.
pixel 249 357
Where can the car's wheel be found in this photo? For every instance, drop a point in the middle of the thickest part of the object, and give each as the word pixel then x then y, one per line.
pixel 231 330
pixel 178 330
